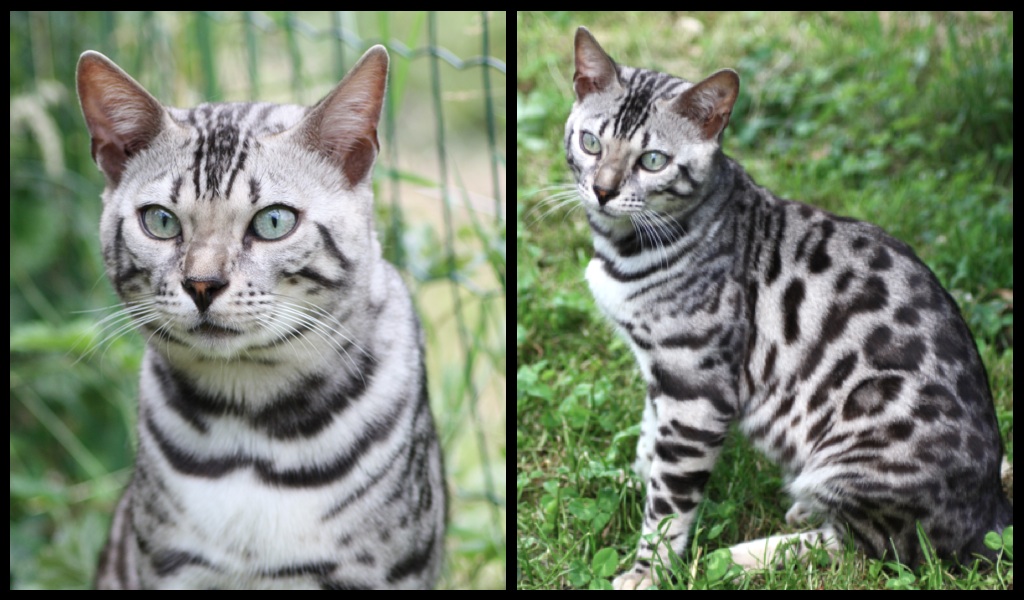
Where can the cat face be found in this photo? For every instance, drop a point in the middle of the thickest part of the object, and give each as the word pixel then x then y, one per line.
pixel 641 144
pixel 233 230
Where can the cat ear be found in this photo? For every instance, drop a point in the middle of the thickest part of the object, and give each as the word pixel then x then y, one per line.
pixel 343 126
pixel 595 70
pixel 122 117
pixel 709 103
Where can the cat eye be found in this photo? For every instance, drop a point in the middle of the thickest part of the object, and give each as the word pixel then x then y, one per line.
pixel 274 222
pixel 653 161
pixel 160 222
pixel 590 143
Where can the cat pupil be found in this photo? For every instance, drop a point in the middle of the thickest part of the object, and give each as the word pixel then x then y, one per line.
pixel 653 161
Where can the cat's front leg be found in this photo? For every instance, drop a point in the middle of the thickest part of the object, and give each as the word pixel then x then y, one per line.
pixel 645 445
pixel 688 436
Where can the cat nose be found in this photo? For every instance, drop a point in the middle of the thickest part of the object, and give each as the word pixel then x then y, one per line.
pixel 604 194
pixel 203 291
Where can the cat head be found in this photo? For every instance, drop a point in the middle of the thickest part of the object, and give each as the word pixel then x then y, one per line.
pixel 124 120
pixel 230 229
pixel 641 142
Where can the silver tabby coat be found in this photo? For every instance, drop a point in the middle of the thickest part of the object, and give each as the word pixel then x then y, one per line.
pixel 829 342
pixel 285 438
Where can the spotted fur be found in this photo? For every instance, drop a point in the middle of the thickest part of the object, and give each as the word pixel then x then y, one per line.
pixel 285 437
pixel 833 347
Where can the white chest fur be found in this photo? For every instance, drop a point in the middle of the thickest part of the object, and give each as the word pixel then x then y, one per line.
pixel 612 296
pixel 609 293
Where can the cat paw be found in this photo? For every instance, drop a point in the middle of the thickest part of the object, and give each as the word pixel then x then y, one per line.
pixel 633 581
pixel 799 513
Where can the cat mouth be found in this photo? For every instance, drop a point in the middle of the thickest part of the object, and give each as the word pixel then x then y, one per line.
pixel 603 210
pixel 613 213
pixel 209 329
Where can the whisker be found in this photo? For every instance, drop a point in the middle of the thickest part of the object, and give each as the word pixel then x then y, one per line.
pixel 326 326
pixel 124 319
pixel 567 194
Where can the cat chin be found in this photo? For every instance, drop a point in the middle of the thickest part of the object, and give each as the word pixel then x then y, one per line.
pixel 235 352
pixel 608 215
pixel 208 341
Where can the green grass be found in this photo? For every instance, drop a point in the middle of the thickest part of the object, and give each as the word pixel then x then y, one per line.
pixel 902 120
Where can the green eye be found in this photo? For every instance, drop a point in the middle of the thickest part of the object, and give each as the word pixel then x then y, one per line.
pixel 653 161
pixel 589 143
pixel 273 222
pixel 160 222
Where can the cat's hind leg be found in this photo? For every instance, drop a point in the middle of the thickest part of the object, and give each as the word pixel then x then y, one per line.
pixel 777 549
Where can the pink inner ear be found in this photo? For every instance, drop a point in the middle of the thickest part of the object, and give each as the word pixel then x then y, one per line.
pixel 595 70
pixel 122 117
pixel 585 85
pixel 709 103
pixel 343 126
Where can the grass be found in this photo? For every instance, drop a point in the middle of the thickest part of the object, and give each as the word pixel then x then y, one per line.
pixel 905 120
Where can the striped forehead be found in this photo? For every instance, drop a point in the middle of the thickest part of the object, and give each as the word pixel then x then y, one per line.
pixel 223 137
pixel 643 87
